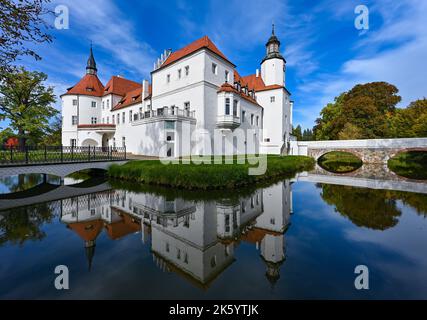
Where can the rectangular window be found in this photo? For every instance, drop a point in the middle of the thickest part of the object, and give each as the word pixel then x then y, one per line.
pixel 168 78
pixel 187 105
pixel 179 73
pixel 272 99
pixel 257 120
pixel 214 68
pixel 235 108
pixel 103 120
pixel 108 120
pixel 93 104
pixel 103 105
pixel 114 121
pixel 74 102
pixel 227 76
pixel 118 118
pixel 130 115
pixel 74 120
pixel 252 119
pixel 187 70
pixel 108 103
pixel 123 142
pixel 227 106
pixel 93 120
pixel 123 117
pixel 243 116
pixel 170 125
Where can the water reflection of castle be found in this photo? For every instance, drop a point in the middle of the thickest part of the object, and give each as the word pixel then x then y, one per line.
pixel 194 239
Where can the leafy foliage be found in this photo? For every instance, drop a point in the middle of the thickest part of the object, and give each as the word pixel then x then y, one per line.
pixel 22 24
pixel 27 103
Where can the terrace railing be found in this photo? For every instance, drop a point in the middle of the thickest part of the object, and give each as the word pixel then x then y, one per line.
pixel 165 112
pixel 29 155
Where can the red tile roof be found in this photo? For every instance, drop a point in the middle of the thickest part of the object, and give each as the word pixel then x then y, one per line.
pixel 201 43
pixel 131 98
pixel 89 85
pixel 87 230
pixel 226 87
pixel 120 86
pixel 256 83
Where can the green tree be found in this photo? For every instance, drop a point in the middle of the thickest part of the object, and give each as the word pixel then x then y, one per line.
pixel 297 132
pixel 27 103
pixel 22 25
pixel 307 135
pixel 362 112
pixel 54 133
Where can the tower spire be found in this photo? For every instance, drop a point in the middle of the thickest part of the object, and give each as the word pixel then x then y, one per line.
pixel 91 64
pixel 272 30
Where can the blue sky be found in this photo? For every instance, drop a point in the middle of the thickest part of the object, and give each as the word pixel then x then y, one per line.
pixel 325 53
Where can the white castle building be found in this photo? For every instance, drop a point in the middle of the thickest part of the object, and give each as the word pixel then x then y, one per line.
pixel 196 103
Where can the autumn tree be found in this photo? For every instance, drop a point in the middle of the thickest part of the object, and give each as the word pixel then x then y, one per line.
pixel 22 24
pixel 361 113
pixel 27 103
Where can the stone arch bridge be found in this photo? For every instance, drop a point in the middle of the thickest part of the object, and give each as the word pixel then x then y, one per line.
pixel 57 169
pixel 368 150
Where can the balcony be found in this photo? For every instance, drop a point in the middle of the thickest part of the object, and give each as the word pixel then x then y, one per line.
pixel 99 127
pixel 228 121
pixel 165 113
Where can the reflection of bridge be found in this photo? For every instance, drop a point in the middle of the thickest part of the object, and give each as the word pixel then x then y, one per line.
pixel 368 176
pixel 56 193
pixel 61 169
pixel 369 150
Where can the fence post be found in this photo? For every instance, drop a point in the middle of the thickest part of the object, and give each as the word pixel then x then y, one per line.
pixel 125 153
pixel 26 154
pixel 11 154
pixel 45 153
pixel 72 152
pixel 88 154
pixel 62 153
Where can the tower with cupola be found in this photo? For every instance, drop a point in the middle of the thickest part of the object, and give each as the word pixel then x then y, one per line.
pixel 273 65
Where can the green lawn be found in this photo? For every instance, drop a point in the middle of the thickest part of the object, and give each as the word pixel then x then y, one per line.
pixel 208 176
pixel 411 165
pixel 340 162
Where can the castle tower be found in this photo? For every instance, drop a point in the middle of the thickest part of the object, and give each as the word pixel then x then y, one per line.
pixel 273 64
pixel 91 64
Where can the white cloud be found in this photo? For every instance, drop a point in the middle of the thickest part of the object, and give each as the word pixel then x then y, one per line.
pixel 402 62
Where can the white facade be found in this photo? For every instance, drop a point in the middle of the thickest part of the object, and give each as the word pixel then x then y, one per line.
pixel 194 105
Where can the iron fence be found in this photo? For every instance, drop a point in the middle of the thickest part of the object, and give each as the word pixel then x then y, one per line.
pixel 59 154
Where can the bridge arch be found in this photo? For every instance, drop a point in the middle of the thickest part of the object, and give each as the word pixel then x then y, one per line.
pixel 397 152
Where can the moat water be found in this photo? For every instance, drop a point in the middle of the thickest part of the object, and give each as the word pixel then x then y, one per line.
pixel 295 239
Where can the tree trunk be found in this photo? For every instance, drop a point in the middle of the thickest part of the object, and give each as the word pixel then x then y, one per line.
pixel 22 139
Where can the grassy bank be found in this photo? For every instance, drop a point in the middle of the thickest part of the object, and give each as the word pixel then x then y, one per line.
pixel 208 176
pixel 340 162
pixel 411 165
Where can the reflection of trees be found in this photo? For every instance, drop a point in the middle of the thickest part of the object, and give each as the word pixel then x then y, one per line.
pixel 21 224
pixel 22 182
pixel 374 209
pixel 417 201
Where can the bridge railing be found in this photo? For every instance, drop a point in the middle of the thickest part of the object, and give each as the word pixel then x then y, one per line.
pixel 31 155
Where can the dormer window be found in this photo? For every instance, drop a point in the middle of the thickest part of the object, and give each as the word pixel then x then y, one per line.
pixel 187 70
pixel 93 104
pixel 179 73
pixel 89 89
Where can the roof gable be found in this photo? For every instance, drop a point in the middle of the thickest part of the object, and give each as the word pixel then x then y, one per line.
pixel 201 43
pixel 119 86
pixel 88 85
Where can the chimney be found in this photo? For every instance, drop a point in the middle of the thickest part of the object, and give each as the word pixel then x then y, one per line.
pixel 257 73
pixel 145 89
